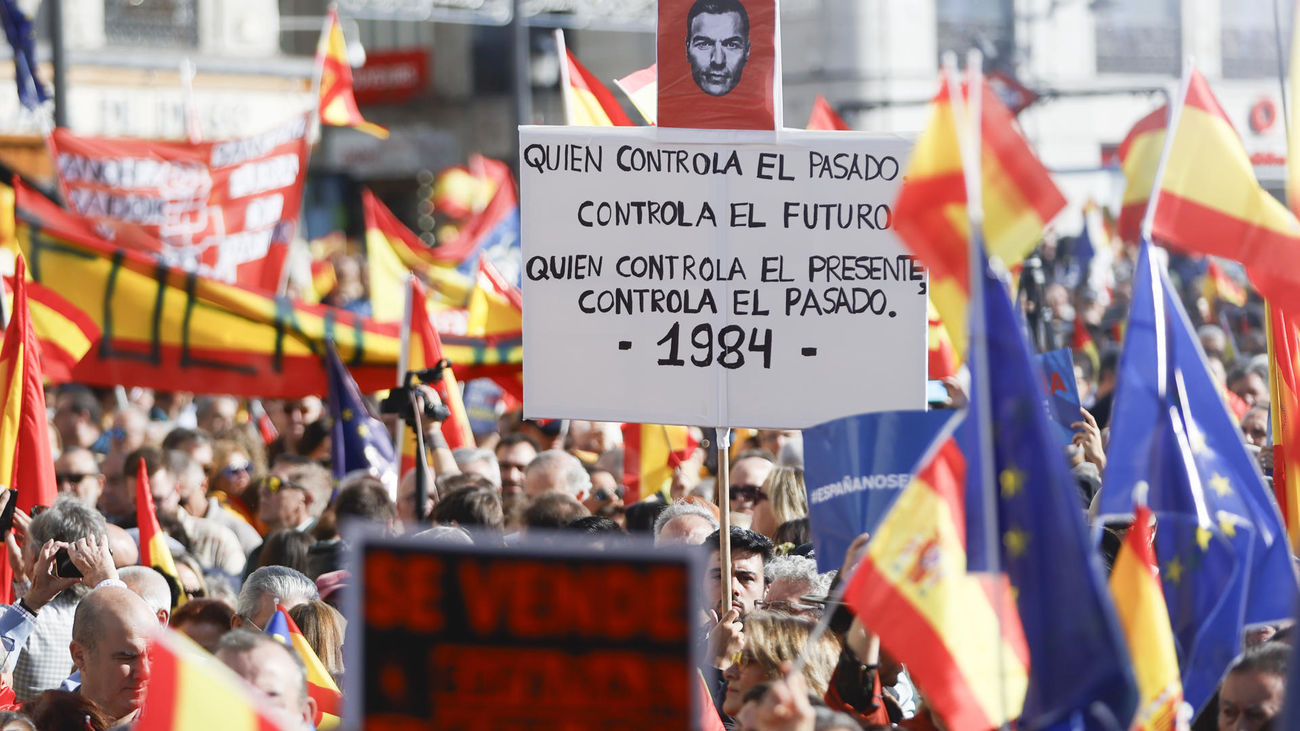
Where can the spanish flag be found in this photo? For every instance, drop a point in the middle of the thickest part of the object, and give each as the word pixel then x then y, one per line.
pixel 495 305
pixel 1284 356
pixel 1284 411
pixel 824 117
pixel 968 656
pixel 459 193
pixel 338 107
pixel 1218 286
pixel 393 252
pixel 190 690
pixel 1140 604
pixel 154 552
pixel 1139 156
pixel 26 463
pixel 642 87
pixel 651 453
pixel 1081 341
pixel 587 102
pixel 320 684
pixel 1225 212
pixel 425 351
pixel 942 357
pixel 930 214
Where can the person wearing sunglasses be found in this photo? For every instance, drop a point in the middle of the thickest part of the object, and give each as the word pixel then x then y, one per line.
pixel 748 471
pixel 76 473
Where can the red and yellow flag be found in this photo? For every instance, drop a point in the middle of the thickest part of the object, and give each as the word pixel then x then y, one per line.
pixel 338 107
pixel 393 251
pixel 1226 213
pixel 930 214
pixel 642 87
pixel 426 350
pixel 911 587
pixel 651 452
pixel 66 333
pixel 26 463
pixel 320 684
pixel 824 117
pixel 154 552
pixel 1139 155
pixel 190 690
pixel 942 357
pixel 1284 356
pixel 1081 341
pixel 1140 605
pixel 495 305
pixel 587 102
pixel 1218 286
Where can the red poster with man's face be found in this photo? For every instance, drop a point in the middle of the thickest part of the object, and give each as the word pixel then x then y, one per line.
pixel 717 61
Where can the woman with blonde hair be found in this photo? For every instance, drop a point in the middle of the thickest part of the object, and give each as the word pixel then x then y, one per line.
pixel 781 498
pixel 771 639
pixel 323 627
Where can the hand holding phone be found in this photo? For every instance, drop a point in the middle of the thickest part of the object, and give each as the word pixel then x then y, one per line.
pixel 64 567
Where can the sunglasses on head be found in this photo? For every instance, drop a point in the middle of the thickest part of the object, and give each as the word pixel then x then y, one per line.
pixel 235 469
pixel 273 484
pixel 752 493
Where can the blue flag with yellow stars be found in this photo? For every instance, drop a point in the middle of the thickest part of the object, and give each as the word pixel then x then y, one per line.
pixel 1080 675
pixel 358 441
pixel 1223 554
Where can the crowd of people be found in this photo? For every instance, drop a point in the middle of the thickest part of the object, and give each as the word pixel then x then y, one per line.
pixel 253 524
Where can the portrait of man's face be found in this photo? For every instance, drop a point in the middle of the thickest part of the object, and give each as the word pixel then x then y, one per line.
pixel 717 46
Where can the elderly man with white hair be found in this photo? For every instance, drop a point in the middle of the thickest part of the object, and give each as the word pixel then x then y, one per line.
pixel 556 469
pixel 685 524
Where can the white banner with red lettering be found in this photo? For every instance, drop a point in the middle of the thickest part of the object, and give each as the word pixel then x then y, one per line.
pixel 226 209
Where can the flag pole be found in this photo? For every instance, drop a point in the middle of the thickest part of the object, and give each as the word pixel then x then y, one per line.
pixel 723 491
pixel 1148 221
pixel 968 117
pixel 563 51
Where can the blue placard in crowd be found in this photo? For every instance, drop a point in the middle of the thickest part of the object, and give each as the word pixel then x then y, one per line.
pixel 1062 392
pixel 855 468
pixel 481 397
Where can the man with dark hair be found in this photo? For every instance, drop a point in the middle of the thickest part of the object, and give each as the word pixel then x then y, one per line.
pixel 514 452
pixel 77 417
pixel 748 472
pixel 214 545
pixel 478 506
pixel 76 473
pixel 750 553
pixel 554 509
pixel 717 44
pixel 1254 690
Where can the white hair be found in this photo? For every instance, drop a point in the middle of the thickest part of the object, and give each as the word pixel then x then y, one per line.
pixel 576 480
pixel 681 509
pixel 798 568
pixel 286 584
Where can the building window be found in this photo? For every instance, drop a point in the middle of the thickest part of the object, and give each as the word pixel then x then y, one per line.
pixel 1248 40
pixel 1139 37
pixel 156 23
pixel 989 25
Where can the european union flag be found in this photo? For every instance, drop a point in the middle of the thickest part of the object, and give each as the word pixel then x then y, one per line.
pixel 22 39
pixel 358 441
pixel 1080 673
pixel 1223 555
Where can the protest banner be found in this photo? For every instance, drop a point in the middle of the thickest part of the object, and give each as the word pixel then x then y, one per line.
pixel 718 66
pixel 697 282
pixel 225 209
pixel 159 327
pixel 1062 392
pixel 551 635
pixel 855 468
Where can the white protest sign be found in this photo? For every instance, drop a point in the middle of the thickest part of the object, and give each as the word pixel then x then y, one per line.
pixel 745 279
